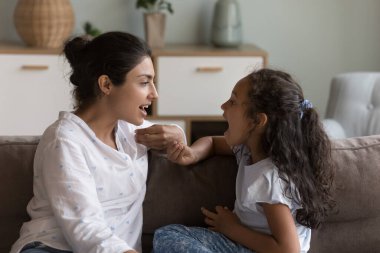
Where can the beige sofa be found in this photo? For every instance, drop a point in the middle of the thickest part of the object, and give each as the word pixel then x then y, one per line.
pixel 175 193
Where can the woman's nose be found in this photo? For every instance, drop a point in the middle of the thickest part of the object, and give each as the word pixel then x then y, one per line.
pixel 154 93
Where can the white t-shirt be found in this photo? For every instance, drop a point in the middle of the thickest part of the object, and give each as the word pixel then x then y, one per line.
pixel 86 194
pixel 260 183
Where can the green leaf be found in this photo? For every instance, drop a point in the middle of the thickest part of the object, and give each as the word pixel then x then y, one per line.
pixel 91 30
pixel 153 5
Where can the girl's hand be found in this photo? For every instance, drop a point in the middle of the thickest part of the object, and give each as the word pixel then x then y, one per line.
pixel 222 221
pixel 181 154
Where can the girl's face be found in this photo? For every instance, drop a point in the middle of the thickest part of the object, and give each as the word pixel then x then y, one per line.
pixel 130 100
pixel 234 109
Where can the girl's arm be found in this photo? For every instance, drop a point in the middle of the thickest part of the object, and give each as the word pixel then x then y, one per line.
pixel 199 150
pixel 284 236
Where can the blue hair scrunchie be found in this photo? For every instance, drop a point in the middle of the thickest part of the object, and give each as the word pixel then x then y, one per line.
pixel 306 104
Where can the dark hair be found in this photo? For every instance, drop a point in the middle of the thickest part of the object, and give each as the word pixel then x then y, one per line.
pixel 295 141
pixel 113 54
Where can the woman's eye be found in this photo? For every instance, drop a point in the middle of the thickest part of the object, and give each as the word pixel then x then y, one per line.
pixel 231 102
pixel 144 84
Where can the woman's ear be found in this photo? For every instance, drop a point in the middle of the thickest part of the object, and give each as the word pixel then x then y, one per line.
pixel 105 84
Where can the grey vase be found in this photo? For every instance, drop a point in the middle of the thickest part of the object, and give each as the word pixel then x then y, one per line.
pixel 226 24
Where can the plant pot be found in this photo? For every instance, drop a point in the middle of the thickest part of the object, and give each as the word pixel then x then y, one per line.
pixel 44 23
pixel 155 29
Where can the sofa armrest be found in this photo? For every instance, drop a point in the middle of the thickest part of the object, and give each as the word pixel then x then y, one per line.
pixel 333 129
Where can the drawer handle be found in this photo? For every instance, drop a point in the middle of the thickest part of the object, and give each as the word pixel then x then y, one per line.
pixel 34 67
pixel 209 69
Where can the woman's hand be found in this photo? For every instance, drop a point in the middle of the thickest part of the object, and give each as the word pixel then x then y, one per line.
pixel 160 136
pixel 222 221
pixel 181 154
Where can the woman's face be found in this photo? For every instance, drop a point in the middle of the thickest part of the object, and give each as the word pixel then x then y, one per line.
pixel 130 100
pixel 234 110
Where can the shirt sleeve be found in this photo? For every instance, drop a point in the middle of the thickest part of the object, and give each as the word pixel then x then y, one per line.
pixel 268 188
pixel 71 191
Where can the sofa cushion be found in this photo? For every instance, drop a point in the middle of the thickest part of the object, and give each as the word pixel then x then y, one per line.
pixel 355 227
pixel 16 188
pixel 175 193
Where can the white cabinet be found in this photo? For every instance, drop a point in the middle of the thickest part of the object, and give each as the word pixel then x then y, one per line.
pixel 197 86
pixel 192 81
pixel 33 89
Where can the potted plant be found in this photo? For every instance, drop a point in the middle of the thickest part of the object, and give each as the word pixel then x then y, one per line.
pixel 155 20
pixel 155 5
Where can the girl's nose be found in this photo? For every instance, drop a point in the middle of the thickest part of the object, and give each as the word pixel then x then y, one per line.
pixel 223 106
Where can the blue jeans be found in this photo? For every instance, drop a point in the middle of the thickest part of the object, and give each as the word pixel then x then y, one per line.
pixel 179 239
pixel 37 247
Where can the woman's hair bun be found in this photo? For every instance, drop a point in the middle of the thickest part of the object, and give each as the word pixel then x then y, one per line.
pixel 74 48
pixel 74 51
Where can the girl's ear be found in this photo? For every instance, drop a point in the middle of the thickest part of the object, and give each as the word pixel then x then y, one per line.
pixel 105 84
pixel 262 119
pixel 260 122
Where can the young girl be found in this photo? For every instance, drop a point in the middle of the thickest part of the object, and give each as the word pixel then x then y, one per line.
pixel 89 172
pixel 285 175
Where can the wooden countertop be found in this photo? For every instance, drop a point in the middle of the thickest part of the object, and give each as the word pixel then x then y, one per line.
pixel 20 48
pixel 168 50
pixel 208 50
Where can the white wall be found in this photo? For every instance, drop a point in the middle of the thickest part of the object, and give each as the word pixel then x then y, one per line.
pixel 313 40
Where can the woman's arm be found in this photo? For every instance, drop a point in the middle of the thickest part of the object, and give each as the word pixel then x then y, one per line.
pixel 72 194
pixel 160 136
pixel 284 238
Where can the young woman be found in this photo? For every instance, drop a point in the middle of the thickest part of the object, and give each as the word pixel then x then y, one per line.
pixel 285 175
pixel 89 171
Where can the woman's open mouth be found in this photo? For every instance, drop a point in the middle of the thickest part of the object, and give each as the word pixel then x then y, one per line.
pixel 143 109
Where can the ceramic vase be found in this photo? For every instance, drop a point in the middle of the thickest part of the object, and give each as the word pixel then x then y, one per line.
pixel 226 24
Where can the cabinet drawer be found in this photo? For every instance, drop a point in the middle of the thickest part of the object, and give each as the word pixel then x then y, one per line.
pixel 197 86
pixel 33 90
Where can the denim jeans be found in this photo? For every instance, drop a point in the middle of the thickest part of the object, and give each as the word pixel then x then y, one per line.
pixel 37 247
pixel 179 239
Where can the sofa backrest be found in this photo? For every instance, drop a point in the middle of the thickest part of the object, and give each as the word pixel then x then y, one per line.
pixel 16 188
pixel 175 193
pixel 356 225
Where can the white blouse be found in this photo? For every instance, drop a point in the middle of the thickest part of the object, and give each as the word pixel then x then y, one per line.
pixel 87 196
pixel 260 183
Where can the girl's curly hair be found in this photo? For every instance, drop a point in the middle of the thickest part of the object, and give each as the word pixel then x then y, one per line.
pixel 295 141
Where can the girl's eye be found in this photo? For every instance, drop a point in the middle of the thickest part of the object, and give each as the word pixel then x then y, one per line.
pixel 231 102
pixel 144 84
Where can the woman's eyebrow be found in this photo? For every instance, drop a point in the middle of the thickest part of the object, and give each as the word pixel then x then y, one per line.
pixel 146 75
